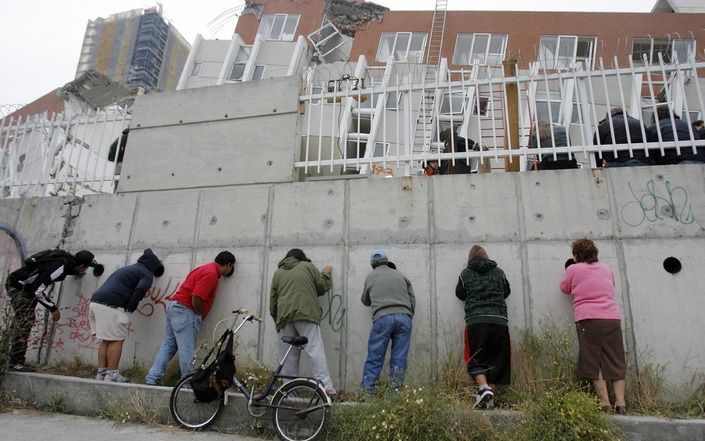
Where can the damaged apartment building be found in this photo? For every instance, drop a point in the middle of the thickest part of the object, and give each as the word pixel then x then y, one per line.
pixel 398 80
pixel 378 91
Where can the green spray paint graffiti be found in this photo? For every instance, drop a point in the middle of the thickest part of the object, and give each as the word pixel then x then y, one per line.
pixel 658 202
pixel 334 310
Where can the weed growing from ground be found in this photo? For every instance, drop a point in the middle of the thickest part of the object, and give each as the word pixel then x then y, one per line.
pixel 565 415
pixel 135 411
pixel 411 414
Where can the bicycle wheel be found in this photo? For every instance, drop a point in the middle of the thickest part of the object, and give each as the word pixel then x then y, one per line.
pixel 301 411
pixel 187 411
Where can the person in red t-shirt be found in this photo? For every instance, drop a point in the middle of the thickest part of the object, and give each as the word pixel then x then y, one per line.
pixel 185 311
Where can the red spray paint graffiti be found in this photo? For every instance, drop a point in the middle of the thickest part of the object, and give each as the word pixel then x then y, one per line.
pixel 157 297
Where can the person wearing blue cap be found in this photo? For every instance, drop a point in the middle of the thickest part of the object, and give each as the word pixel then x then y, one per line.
pixel 390 295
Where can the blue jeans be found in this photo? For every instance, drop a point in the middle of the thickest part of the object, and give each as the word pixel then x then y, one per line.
pixel 395 327
pixel 181 331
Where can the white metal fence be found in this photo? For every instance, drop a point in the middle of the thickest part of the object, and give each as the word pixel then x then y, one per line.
pixel 61 154
pixel 403 110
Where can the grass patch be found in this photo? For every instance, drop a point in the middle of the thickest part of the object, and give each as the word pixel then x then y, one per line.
pixel 134 411
pixel 565 415
pixel 413 413
pixel 73 368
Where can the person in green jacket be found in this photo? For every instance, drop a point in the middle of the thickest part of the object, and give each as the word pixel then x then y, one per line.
pixel 483 287
pixel 293 304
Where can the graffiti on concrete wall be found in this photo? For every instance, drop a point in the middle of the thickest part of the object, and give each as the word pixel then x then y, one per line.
pixel 334 310
pixel 157 298
pixel 658 201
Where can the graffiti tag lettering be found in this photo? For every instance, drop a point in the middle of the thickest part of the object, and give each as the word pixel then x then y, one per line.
pixel 334 310
pixel 157 297
pixel 654 204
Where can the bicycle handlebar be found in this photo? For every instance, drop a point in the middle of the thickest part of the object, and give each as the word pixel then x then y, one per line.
pixel 243 311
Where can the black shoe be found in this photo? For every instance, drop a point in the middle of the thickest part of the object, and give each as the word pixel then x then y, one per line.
pixel 620 410
pixel 19 367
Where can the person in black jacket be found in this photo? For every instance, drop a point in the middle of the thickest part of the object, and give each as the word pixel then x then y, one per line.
pixel 107 314
pixel 625 129
pixel 550 135
pixel 670 131
pixel 30 285
pixel 484 287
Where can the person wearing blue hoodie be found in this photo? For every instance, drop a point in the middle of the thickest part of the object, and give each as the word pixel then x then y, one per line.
pixel 109 308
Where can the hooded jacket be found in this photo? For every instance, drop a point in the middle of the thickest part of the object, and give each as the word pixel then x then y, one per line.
pixel 296 286
pixel 34 281
pixel 483 287
pixel 128 285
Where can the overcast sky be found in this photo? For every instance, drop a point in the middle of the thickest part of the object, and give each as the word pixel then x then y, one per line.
pixel 41 39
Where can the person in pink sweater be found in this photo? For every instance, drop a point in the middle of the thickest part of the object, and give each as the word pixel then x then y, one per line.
pixel 597 321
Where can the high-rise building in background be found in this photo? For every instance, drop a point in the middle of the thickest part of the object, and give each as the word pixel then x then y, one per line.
pixel 136 48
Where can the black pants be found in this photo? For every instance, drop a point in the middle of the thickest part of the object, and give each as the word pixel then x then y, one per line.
pixel 22 324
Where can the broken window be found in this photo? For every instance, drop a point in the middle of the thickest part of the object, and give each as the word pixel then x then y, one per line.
pixel 406 47
pixel 482 49
pixel 278 27
pixel 243 55
pixel 566 51
pixel 669 49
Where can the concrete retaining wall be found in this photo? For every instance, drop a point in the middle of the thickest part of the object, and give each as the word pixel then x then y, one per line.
pixel 526 221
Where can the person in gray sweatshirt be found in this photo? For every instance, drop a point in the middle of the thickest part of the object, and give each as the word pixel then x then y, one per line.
pixel 390 295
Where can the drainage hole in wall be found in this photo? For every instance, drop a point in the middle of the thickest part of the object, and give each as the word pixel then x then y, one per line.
pixel 672 265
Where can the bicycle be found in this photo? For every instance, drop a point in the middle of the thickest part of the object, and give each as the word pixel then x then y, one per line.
pixel 300 406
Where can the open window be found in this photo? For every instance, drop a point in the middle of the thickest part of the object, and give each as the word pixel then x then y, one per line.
pixel 243 55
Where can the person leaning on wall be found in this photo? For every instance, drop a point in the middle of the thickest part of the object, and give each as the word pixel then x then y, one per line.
pixel 30 285
pixel 483 287
pixel 110 306
pixel 390 295
pixel 597 322
pixel 293 305
pixel 186 309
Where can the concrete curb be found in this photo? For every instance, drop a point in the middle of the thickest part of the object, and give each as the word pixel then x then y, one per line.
pixel 91 397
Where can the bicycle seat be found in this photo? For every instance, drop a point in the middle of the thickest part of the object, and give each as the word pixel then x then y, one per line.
pixel 295 341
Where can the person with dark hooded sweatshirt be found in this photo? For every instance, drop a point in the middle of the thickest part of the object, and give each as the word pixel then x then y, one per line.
pixel 483 287
pixel 110 304
pixel 293 305
pixel 31 285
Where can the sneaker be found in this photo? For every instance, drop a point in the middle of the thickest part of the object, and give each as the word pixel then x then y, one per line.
pixel 115 377
pixel 100 376
pixel 19 367
pixel 485 399
pixel 152 383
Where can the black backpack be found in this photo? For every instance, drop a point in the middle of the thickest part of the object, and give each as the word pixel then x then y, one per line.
pixel 215 375
pixel 35 263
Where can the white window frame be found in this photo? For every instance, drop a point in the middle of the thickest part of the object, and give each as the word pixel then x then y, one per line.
pixel 653 57
pixel 261 75
pixel 240 61
pixel 558 61
pixel 405 58
pixel 457 56
pixel 196 70
pixel 266 27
